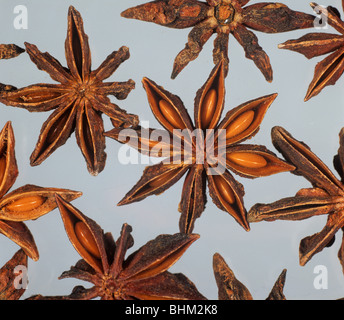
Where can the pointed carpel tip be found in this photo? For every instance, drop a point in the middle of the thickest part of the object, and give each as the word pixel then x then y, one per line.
pixel 276 130
pixel 307 97
pixel 194 236
pixel 8 124
pixel 217 257
pixel 71 9
pixel 126 13
pixel 146 82
pixel 273 96
pixel 174 73
pixel 121 203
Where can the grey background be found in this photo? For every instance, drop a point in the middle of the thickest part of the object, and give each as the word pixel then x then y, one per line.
pixel 256 257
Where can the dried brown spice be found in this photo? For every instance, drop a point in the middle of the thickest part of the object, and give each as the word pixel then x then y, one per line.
pixel 79 99
pixel 230 288
pixel 311 45
pixel 142 275
pixel 195 150
pixel 8 51
pixel 326 196
pixel 8 290
pixel 28 202
pixel 222 17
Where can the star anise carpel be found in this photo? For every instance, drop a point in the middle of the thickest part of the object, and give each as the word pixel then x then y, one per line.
pixel 28 202
pixel 9 51
pixel 325 197
pixel 207 148
pixel 8 288
pixel 230 288
pixel 315 44
pixel 141 275
pixel 79 99
pixel 222 17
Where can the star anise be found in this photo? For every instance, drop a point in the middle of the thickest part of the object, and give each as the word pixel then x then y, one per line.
pixel 28 202
pixel 230 288
pixel 311 45
pixel 206 149
pixel 222 17
pixel 8 289
pixel 142 275
pixel 8 51
pixel 326 196
pixel 80 98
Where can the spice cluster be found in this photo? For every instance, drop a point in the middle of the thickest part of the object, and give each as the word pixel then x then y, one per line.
pixel 208 151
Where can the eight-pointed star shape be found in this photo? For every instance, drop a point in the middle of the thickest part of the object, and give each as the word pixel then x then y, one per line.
pixel 79 99
pixel 206 148
pixel 142 275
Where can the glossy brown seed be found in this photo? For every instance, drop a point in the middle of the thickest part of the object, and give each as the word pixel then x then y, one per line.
pixel 248 160
pixel 170 114
pixel 224 189
pixel 208 107
pixel 86 239
pixel 157 182
pixel 240 124
pixel 25 204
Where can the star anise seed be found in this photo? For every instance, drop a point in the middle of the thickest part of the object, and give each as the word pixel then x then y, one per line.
pixel 142 275
pixel 79 99
pixel 222 17
pixel 196 161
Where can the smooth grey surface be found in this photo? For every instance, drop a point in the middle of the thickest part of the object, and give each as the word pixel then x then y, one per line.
pixel 256 257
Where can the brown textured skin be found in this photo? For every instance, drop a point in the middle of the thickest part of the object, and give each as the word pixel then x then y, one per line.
pixel 221 17
pixel 326 197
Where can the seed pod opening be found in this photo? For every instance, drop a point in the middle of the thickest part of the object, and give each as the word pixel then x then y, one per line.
pixel 210 99
pixel 80 231
pixel 166 107
pixel 243 121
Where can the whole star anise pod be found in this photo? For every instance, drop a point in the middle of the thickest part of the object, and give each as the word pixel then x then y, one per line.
pixel 230 288
pixel 206 149
pixel 28 202
pixel 79 99
pixel 222 17
pixel 8 274
pixel 142 275
pixel 311 45
pixel 326 196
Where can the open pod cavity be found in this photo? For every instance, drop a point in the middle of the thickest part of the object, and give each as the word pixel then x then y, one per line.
pixel 31 202
pixel 84 234
pixel 254 161
pixel 210 99
pixel 243 121
pixel 227 194
pixel 167 108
